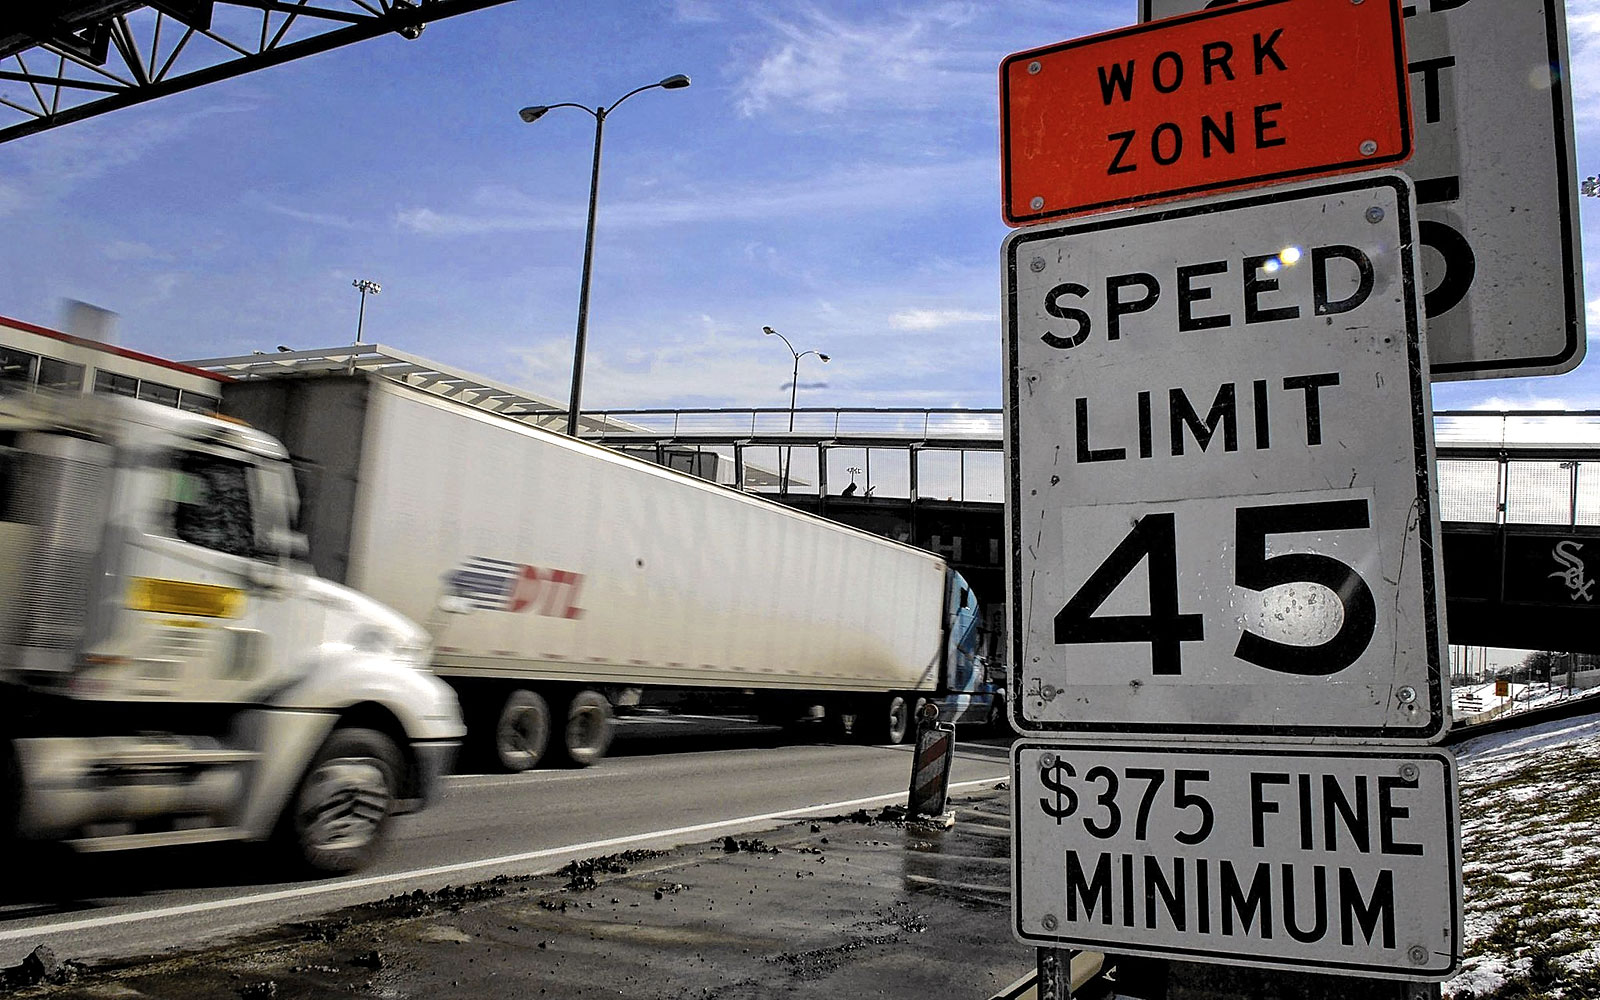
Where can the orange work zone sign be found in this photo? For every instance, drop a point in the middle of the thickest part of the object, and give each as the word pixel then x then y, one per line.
pixel 1233 97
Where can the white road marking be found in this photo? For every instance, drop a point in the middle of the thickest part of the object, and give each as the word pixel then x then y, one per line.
pixel 324 888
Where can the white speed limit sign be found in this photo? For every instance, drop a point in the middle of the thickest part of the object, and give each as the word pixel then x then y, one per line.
pixel 1219 447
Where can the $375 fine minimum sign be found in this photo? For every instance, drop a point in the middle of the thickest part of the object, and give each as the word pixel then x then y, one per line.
pixel 1333 860
pixel 1220 444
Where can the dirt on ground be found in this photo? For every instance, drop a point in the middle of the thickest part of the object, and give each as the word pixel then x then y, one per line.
pixel 840 906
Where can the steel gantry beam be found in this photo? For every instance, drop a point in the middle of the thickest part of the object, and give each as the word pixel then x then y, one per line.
pixel 62 61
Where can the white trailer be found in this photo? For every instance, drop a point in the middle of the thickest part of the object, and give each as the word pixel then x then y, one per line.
pixel 558 577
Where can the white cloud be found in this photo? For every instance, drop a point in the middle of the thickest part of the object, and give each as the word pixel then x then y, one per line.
pixel 851 189
pixel 823 64
pixel 933 319
pixel 697 11
pixel 133 250
pixel 328 219
pixel 1583 46
pixel 59 161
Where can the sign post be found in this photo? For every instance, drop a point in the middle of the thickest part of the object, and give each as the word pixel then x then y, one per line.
pixel 1496 179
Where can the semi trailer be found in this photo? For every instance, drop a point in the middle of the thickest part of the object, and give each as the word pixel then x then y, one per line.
pixel 170 671
pixel 560 580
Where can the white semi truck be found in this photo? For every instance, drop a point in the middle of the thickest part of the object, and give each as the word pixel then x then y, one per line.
pixel 170 672
pixel 560 579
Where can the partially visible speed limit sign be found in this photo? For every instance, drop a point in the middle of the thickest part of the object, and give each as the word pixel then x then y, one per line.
pixel 1327 859
pixel 1219 444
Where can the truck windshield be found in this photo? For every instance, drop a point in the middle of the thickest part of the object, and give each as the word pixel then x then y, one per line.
pixel 211 504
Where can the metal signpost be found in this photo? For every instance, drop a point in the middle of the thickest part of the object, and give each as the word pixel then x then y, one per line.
pixel 1230 98
pixel 1219 447
pixel 1496 181
pixel 1330 860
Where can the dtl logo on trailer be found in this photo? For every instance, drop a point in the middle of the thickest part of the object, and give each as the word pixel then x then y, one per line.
pixel 498 585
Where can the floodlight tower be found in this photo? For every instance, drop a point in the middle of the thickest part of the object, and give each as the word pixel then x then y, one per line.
pixel 366 288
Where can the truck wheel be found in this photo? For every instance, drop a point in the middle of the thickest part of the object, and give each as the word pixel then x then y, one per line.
pixel 339 812
pixel 522 732
pixel 587 732
pixel 884 720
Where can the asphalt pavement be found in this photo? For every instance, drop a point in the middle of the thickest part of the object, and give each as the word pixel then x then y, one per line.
pixel 661 794
pixel 832 904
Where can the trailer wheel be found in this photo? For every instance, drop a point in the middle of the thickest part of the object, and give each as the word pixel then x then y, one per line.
pixel 587 732
pixel 339 812
pixel 884 720
pixel 522 732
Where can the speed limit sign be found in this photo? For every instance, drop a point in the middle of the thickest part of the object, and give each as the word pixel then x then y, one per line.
pixel 1219 443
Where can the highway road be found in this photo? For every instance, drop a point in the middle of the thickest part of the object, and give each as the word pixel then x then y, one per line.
pixel 666 783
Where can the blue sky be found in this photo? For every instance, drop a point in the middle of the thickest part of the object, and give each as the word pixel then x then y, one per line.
pixel 833 173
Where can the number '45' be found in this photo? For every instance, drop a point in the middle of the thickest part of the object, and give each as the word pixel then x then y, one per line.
pixel 1165 628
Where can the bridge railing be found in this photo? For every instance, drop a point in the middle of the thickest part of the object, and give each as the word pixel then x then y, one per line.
pixel 810 422
pixel 1520 466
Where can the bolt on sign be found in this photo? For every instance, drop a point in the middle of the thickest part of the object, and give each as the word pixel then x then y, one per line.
pixel 1261 92
pixel 1219 446
pixel 1496 178
pixel 1337 861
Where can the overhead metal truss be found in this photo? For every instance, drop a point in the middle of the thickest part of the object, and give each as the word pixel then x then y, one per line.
pixel 62 61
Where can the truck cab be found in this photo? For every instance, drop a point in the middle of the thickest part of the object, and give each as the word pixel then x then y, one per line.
pixel 172 672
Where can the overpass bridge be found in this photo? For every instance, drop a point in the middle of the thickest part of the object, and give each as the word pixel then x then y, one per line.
pixel 1519 497
pixel 1520 490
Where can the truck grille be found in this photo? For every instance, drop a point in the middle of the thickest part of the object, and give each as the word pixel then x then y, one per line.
pixel 62 498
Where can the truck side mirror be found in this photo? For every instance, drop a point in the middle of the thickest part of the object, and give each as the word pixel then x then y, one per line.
pixel 288 544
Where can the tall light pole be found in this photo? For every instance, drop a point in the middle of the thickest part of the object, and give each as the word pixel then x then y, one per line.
pixel 794 388
pixel 676 82
pixel 366 288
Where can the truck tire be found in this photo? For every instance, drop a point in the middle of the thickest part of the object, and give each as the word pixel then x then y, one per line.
pixel 522 731
pixel 338 815
pixel 884 720
pixel 586 732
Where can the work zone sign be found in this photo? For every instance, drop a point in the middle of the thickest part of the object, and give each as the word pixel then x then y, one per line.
pixel 1337 861
pixel 1235 97
pixel 1219 444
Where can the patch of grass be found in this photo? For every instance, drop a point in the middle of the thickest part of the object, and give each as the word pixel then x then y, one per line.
pixel 1531 843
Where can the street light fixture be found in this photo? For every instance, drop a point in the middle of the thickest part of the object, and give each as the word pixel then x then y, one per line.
pixel 794 388
pixel 532 114
pixel 366 288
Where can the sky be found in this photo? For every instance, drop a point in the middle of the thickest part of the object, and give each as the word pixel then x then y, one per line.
pixel 832 172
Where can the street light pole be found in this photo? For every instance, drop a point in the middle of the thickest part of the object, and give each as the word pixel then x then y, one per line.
pixel 794 389
pixel 533 114
pixel 583 286
pixel 365 287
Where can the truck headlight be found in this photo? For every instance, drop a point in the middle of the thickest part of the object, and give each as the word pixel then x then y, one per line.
pixel 380 641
